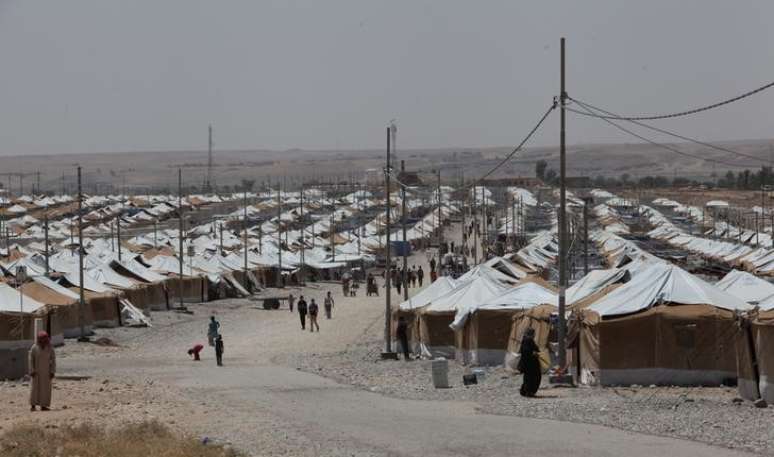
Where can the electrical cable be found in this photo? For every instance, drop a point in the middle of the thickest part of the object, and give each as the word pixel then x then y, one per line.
pixel 690 111
pixel 517 149
pixel 667 132
pixel 654 143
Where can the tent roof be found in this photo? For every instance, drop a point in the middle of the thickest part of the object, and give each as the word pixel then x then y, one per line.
pixel 438 288
pixel 524 296
pixel 469 293
pixel 660 282
pixel 10 301
pixel 746 286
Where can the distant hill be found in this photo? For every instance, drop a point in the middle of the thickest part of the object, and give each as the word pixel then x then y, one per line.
pixel 156 170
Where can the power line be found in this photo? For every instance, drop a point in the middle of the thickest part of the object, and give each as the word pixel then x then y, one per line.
pixel 661 145
pixel 660 130
pixel 518 148
pixel 691 111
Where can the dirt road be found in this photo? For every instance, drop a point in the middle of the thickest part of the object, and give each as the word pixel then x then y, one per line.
pixel 266 408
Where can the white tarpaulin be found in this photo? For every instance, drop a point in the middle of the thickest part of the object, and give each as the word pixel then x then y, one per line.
pixel 438 288
pixel 746 286
pixel 524 296
pixel 663 282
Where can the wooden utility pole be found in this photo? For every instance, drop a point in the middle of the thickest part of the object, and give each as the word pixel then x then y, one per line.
pixel 475 228
pixel 440 203
pixel 244 229
pixel 302 273
pixel 279 235
pixel 118 235
pixel 220 228
pixel 562 331
pixel 45 233
pixel 81 294
pixel 403 277
pixel 180 230
pixel 586 236
pixel 331 231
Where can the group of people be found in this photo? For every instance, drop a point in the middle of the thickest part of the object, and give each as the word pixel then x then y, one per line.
pixel 311 309
pixel 214 339
pixel 410 277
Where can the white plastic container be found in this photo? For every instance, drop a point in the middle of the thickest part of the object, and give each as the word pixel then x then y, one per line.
pixel 440 369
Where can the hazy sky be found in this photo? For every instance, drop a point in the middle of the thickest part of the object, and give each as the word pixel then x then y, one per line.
pixel 119 75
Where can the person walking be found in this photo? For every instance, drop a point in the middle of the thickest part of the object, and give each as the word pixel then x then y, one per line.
pixel 432 264
pixel 213 330
pixel 328 304
pixel 41 364
pixel 402 333
pixel 313 310
pixel 291 300
pixel 302 309
pixel 529 364
pixel 420 275
pixel 219 350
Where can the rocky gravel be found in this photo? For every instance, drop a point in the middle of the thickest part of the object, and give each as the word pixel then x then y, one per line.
pixel 714 416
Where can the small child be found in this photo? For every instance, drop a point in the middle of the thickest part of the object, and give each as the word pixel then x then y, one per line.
pixel 219 350
pixel 194 351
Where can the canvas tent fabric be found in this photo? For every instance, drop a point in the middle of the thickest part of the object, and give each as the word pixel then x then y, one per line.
pixel 664 283
pixel 746 286
pixel 410 308
pixel 437 337
pixel 669 345
pixel 486 328
pixel 537 318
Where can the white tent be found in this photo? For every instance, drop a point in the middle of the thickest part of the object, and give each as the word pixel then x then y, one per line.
pixel 524 296
pixel 746 286
pixel 440 287
pixel 664 282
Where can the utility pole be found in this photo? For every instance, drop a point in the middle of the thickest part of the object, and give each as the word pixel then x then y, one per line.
pixel 208 184
pixel 279 235
pixel 118 236
pixel 440 204
pixel 244 229
pixel 562 356
pixel 302 275
pixel 81 295
pixel 403 277
pixel 331 231
pixel 45 233
pixel 586 236
pixel 180 230
pixel 475 228
pixel 464 241
pixel 388 268
pixel 220 227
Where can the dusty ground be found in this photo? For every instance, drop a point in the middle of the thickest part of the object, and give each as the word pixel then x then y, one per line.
pixel 269 398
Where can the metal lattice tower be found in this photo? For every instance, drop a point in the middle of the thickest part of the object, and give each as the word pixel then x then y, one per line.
pixel 208 184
